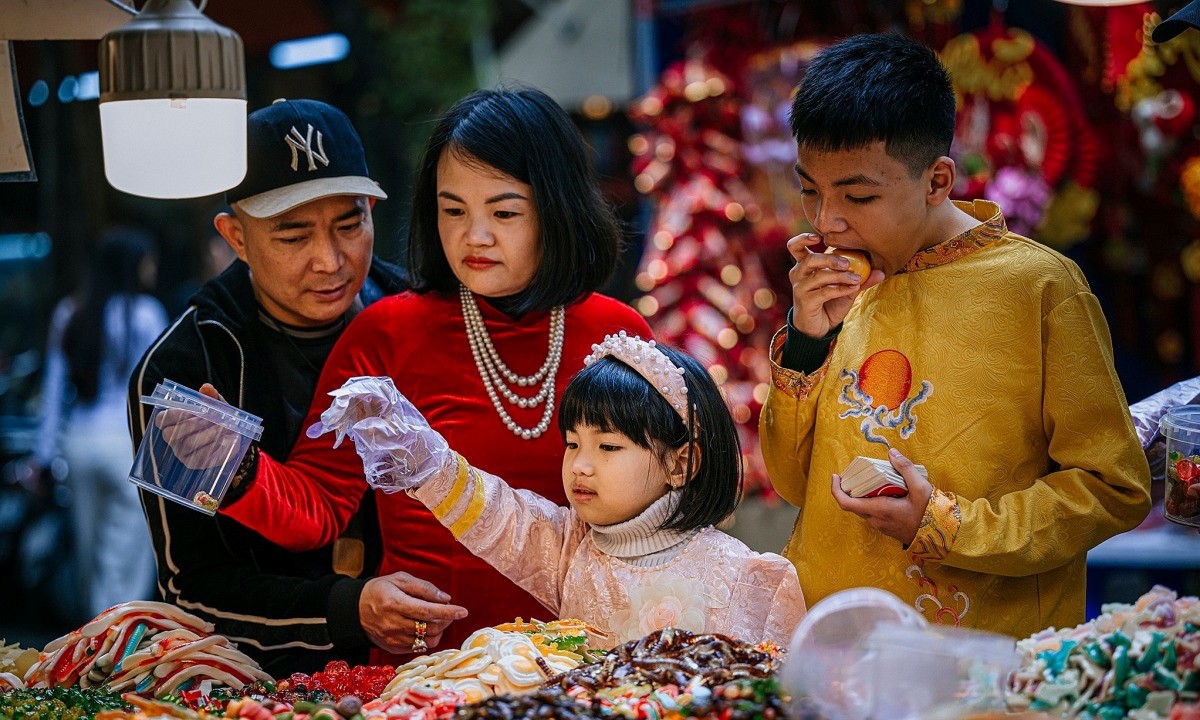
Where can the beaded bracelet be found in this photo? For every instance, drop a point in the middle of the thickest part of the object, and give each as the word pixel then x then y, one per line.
pixel 246 471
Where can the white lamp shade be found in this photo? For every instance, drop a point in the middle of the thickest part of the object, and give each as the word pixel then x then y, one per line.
pixel 164 148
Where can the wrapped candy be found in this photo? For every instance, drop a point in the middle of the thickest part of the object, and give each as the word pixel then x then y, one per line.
pixel 146 647
pixel 1147 413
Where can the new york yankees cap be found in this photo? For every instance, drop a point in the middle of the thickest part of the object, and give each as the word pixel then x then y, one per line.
pixel 299 151
pixel 1187 17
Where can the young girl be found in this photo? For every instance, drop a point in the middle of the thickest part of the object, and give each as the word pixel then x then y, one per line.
pixel 652 463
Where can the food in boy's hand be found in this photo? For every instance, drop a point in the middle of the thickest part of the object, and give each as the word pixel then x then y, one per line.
pixel 860 262
pixel 868 477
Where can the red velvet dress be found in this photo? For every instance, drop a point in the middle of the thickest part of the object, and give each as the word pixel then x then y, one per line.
pixel 421 342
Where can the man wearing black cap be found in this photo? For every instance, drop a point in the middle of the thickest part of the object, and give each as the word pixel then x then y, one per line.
pixel 1187 17
pixel 259 334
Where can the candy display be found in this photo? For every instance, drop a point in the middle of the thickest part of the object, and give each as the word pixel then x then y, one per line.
pixel 545 702
pixel 58 703
pixel 1132 661
pixel 1182 503
pixel 672 657
pixel 149 647
pixel 497 662
pixel 346 708
pixel 1139 661
pixel 417 702
pixel 15 661
pixel 338 679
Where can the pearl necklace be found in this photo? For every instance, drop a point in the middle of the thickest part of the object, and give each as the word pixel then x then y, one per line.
pixel 497 376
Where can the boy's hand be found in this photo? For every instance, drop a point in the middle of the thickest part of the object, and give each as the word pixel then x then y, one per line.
pixel 895 517
pixel 823 288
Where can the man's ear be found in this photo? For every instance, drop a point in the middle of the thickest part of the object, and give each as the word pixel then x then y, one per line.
pixel 678 475
pixel 230 228
pixel 942 174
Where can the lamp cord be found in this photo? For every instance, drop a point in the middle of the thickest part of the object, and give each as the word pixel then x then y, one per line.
pixel 135 11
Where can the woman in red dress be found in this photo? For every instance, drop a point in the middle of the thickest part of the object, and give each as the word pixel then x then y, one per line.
pixel 509 240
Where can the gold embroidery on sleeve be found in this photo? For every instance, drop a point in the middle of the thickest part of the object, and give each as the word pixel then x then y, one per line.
pixel 460 484
pixel 474 508
pixel 938 528
pixel 796 385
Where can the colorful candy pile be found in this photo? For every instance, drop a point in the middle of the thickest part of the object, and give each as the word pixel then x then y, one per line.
pixel 497 662
pixel 672 657
pixel 1133 660
pixel 15 661
pixel 148 647
pixel 58 703
pixel 745 699
pixel 542 703
pixel 668 673
pixel 347 708
pixel 418 702
pixel 338 679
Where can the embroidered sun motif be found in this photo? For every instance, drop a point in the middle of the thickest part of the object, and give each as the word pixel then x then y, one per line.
pixel 669 601
pixel 879 393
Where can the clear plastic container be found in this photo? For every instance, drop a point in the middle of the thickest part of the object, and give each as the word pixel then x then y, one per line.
pixel 916 672
pixel 824 657
pixel 192 446
pixel 1181 428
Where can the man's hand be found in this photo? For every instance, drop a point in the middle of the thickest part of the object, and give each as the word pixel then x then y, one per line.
pixel 897 518
pixel 197 442
pixel 823 288
pixel 210 391
pixel 390 606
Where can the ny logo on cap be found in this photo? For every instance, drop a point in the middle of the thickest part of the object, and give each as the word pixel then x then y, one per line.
pixel 303 143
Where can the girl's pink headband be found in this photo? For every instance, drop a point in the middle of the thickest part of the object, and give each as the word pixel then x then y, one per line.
pixel 648 361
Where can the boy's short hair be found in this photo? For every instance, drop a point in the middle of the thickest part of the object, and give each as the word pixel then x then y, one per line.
pixel 868 88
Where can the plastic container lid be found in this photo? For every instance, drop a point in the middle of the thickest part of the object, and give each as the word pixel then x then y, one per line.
pixel 830 644
pixel 1182 419
pixel 170 394
pixel 948 641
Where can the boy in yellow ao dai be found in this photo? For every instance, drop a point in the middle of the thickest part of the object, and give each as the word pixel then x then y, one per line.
pixel 1015 411
pixel 971 350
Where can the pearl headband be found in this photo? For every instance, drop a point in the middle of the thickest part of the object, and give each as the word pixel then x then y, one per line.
pixel 651 363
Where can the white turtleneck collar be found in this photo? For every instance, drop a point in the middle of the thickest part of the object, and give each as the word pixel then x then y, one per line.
pixel 639 541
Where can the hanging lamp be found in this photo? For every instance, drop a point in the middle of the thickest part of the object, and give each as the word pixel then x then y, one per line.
pixel 173 103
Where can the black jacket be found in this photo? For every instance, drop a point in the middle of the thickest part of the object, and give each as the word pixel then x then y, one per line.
pixel 287 610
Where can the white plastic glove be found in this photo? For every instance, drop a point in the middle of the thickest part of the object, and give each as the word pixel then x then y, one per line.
pixel 398 448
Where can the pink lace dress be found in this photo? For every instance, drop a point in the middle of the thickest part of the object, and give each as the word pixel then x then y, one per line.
pixel 712 584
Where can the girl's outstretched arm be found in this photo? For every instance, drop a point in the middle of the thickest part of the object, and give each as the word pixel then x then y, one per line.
pixel 528 538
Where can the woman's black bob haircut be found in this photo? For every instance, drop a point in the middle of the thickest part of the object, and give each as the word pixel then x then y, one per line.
pixel 611 396
pixel 525 135
pixel 868 88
